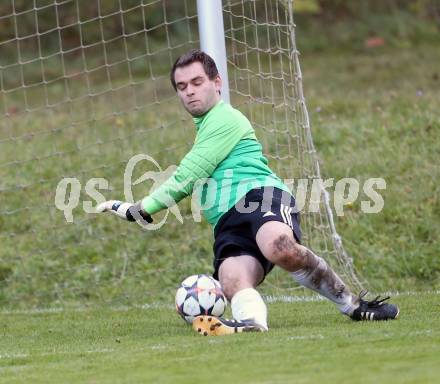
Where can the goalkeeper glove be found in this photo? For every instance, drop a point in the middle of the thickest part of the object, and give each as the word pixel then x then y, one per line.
pixel 127 211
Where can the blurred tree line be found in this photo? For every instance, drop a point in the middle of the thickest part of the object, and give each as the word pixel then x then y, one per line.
pixel 357 24
pixel 331 10
pixel 81 22
pixel 339 20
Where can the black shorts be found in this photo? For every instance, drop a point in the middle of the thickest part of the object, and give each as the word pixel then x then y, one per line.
pixel 235 233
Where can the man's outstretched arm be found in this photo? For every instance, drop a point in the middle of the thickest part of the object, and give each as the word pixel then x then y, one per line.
pixel 211 146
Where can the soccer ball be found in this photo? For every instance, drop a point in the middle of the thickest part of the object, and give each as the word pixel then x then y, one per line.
pixel 200 295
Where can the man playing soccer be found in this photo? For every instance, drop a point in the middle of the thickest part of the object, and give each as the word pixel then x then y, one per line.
pixel 255 228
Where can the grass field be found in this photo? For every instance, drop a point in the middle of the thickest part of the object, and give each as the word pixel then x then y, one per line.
pixel 374 113
pixel 308 342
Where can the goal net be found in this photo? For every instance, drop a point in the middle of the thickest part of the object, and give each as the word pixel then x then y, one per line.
pixel 84 89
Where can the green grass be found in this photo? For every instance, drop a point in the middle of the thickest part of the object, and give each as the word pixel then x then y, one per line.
pixel 308 342
pixel 376 115
pixel 373 113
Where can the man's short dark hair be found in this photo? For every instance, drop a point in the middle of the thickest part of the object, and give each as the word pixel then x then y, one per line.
pixel 193 56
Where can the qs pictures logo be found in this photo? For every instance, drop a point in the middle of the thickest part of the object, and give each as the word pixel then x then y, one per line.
pixel 68 191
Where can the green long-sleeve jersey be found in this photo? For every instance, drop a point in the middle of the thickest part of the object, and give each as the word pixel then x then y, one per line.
pixel 225 162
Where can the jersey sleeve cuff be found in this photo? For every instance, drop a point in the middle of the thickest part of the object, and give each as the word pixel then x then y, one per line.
pixel 151 206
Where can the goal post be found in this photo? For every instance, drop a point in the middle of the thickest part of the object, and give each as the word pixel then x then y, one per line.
pixel 85 99
pixel 212 38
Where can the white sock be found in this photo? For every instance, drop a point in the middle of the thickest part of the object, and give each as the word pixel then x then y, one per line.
pixel 323 279
pixel 248 304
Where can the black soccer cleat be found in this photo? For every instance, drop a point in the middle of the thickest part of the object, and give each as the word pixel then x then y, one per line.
pixel 217 326
pixel 375 309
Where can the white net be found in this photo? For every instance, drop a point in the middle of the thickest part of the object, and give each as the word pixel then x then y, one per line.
pixel 84 88
pixel 266 83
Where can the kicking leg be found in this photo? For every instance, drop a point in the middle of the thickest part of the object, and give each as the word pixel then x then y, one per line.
pixel 238 275
pixel 276 242
pixel 278 245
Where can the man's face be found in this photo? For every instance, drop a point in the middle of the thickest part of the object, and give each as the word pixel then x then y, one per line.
pixel 197 93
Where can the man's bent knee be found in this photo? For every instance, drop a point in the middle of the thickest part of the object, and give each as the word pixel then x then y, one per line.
pixel 285 252
pixel 271 236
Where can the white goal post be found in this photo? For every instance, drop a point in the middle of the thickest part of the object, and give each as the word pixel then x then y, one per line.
pixel 212 38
